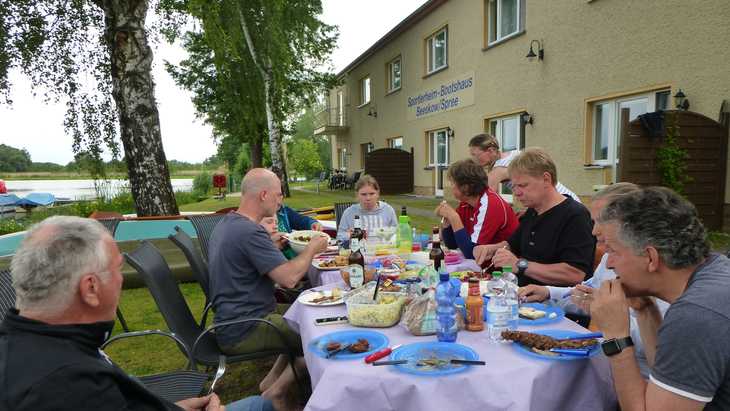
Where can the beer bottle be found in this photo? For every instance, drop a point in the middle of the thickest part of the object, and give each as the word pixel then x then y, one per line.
pixel 436 254
pixel 357 229
pixel 356 263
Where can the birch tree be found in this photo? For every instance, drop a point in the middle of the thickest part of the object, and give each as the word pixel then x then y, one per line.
pixel 95 56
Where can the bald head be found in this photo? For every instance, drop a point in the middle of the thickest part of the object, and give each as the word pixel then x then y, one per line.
pixel 258 180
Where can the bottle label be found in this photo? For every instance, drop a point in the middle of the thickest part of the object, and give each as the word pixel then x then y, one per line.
pixel 436 238
pixel 356 275
pixel 475 317
pixel 354 244
pixel 357 223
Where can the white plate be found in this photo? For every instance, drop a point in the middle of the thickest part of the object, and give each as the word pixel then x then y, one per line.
pixel 307 297
pixel 316 264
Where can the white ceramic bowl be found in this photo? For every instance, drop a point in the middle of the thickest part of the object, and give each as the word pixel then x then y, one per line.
pixel 298 245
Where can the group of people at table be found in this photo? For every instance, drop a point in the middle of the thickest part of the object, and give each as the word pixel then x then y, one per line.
pixel 658 295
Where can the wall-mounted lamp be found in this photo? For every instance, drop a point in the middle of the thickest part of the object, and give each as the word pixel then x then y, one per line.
pixel 540 51
pixel 450 132
pixel 526 118
pixel 681 101
pixel 373 112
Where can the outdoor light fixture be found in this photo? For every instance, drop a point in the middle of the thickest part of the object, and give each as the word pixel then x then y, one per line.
pixel 373 112
pixel 449 132
pixel 540 51
pixel 681 101
pixel 526 118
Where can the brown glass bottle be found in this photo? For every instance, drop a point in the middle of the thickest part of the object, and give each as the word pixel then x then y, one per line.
pixel 356 263
pixel 357 231
pixel 437 253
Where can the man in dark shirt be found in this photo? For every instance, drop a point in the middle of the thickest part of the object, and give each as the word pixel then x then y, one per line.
pixel 244 265
pixel 553 244
pixel 67 278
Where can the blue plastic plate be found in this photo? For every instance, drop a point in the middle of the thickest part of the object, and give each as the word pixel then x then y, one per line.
pixel 433 349
pixel 549 309
pixel 560 357
pixel 377 341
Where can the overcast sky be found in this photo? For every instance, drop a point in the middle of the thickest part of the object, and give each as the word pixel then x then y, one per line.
pixel 38 127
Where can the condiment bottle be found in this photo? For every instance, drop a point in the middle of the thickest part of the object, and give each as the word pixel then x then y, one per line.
pixel 474 307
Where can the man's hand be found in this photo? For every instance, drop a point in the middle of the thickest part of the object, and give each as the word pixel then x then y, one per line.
pixel 318 243
pixel 316 226
pixel 610 309
pixel 640 304
pixel 532 292
pixel 279 240
pixel 504 257
pixel 484 253
pixel 582 296
pixel 208 403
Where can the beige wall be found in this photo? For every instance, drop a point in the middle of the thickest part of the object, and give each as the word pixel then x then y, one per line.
pixel 592 49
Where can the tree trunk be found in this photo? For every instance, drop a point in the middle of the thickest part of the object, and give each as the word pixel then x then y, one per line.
pixel 257 155
pixel 277 153
pixel 139 121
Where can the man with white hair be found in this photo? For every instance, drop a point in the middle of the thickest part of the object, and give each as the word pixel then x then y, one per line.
pixel 67 278
pixel 244 265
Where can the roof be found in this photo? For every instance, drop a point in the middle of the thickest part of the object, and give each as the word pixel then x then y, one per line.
pixel 404 25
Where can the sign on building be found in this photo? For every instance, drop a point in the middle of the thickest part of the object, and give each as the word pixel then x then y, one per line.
pixel 450 95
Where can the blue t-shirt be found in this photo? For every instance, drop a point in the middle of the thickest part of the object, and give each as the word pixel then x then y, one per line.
pixel 241 256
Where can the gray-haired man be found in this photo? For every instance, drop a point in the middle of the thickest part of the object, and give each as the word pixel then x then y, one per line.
pixel 658 248
pixel 67 277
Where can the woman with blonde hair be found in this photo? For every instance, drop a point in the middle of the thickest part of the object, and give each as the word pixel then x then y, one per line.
pixel 373 212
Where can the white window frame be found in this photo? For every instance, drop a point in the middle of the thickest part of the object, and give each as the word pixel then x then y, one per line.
pixel 343 158
pixel 340 108
pixel 365 90
pixel 498 29
pixel 498 131
pixel 614 125
pixel 392 74
pixel 433 147
pixel 391 142
pixel 430 51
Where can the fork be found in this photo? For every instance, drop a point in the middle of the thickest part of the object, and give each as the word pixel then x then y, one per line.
pixel 219 373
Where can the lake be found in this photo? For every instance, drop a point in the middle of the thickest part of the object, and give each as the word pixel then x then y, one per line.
pixel 80 189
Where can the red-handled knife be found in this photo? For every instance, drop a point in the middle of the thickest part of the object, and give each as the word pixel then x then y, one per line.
pixel 380 354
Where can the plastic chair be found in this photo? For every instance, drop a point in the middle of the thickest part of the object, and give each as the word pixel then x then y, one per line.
pixel 340 209
pixel 111 224
pixel 174 385
pixel 7 293
pixel 204 225
pixel 156 274
pixel 197 264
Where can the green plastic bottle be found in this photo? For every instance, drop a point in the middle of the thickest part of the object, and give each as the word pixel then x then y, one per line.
pixel 405 233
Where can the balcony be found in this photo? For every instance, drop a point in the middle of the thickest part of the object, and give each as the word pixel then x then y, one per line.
pixel 331 120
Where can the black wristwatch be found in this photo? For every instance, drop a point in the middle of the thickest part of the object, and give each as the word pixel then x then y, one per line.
pixel 616 345
pixel 521 266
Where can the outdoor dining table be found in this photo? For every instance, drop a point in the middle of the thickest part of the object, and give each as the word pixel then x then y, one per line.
pixel 509 381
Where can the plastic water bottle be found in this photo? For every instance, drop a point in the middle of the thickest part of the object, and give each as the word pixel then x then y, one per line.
pixel 498 311
pixel 405 234
pixel 446 310
pixel 512 296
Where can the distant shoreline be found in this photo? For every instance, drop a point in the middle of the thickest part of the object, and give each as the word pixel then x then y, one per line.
pixel 30 175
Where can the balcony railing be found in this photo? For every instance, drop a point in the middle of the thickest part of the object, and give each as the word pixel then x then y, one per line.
pixel 330 119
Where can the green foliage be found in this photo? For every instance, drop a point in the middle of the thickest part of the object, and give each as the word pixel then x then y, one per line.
pixel 304 158
pixel 202 183
pixel 672 159
pixel 13 159
pixel 10 225
pixel 243 162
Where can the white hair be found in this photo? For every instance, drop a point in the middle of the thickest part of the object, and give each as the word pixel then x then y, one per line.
pixel 54 255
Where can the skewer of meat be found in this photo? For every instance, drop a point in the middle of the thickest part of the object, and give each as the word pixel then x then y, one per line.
pixel 544 342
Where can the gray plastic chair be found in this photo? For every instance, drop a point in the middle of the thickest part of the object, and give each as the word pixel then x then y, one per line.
pixel 197 264
pixel 7 293
pixel 156 274
pixel 204 225
pixel 339 209
pixel 111 224
pixel 173 385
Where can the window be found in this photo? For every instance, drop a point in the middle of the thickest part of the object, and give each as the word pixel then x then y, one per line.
pixel 661 100
pixel 438 148
pixel 436 57
pixel 342 157
pixel 504 19
pixel 365 91
pixel 396 142
pixel 508 132
pixel 364 150
pixel 394 75
pixel 340 108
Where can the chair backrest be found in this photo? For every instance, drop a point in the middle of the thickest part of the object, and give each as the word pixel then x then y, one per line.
pixel 204 225
pixel 195 259
pixel 156 274
pixel 7 293
pixel 111 224
pixel 339 209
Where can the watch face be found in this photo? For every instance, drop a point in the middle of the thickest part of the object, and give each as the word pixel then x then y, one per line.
pixel 522 264
pixel 610 347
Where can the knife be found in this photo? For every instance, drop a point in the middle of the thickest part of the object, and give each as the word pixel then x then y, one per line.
pixel 468 362
pixel 585 336
pixel 337 351
pixel 380 354
pixel 571 351
pixel 392 362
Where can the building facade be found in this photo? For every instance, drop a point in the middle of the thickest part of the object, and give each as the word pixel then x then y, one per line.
pixel 454 69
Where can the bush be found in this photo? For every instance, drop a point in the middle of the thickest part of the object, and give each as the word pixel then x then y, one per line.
pixel 202 183
pixel 10 225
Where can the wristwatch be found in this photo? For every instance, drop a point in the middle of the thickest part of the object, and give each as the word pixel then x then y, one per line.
pixel 521 266
pixel 616 345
